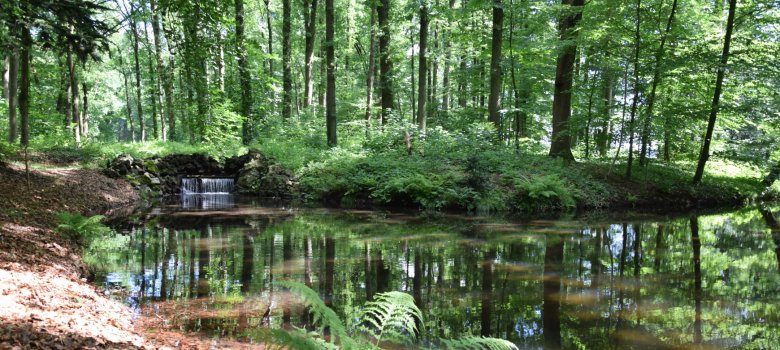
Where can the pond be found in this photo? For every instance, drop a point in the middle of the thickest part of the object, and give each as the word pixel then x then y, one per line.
pixel 593 282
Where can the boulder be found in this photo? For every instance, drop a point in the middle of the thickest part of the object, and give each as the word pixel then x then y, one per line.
pixel 263 176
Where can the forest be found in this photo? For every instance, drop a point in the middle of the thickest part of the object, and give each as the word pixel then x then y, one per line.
pixel 464 174
pixel 633 83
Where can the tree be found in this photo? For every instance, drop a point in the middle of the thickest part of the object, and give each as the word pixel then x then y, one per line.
pixel 496 83
pixel 654 86
pixel 423 67
pixel 311 34
pixel 635 99
pixel 715 106
pixel 385 62
pixel 243 75
pixel 10 91
pixel 330 95
pixel 286 60
pixel 371 71
pixel 561 131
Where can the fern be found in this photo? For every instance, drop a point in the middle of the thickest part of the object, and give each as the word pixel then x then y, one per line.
pixel 322 314
pixel 294 340
pixel 392 315
pixel 80 228
pixel 478 343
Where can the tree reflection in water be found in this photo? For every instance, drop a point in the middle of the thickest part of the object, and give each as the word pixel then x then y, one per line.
pixel 551 284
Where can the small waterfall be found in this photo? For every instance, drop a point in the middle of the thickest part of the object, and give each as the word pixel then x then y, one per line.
pixel 192 185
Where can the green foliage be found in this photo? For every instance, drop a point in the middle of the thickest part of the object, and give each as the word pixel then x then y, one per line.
pixel 80 228
pixel 392 316
pixel 542 193
pixel 323 315
pixel 478 343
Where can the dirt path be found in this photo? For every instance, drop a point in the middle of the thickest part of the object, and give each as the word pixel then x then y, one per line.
pixel 45 299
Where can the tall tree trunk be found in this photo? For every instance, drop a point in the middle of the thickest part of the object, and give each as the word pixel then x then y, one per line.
pixel 220 61
pixel 654 85
pixel 6 71
pixel 24 92
pixel 138 101
pixel 11 94
pixel 311 34
pixel 127 99
pixel 494 101
pixel 371 69
pixel 603 135
pixel 162 76
pixel 385 63
pixel 74 98
pixel 635 100
pixel 154 92
pixel 445 80
pixel 561 133
pixel 286 60
pixel 270 37
pixel 724 58
pixel 244 76
pixel 330 103
pixel 423 67
pixel 85 110
pixel 168 77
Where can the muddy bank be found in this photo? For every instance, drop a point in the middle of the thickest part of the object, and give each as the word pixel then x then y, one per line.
pixel 46 301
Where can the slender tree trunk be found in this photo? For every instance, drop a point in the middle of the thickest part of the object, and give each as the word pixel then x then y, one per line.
pixel 724 58
pixel 423 67
pixel 162 83
pixel 127 99
pixel 445 80
pixel 138 101
pixel 168 78
pixel 385 63
pixel 24 86
pixel 635 100
pixel 244 76
pixel 154 92
pixel 270 37
pixel 654 85
pixel 371 69
pixel 11 94
pixel 330 103
pixel 85 110
pixel 6 71
pixel 74 98
pixel 561 133
pixel 220 61
pixel 496 83
pixel 286 60
pixel 311 34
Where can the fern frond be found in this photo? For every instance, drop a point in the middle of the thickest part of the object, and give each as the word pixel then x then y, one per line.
pixel 392 315
pixel 294 340
pixel 322 314
pixel 478 343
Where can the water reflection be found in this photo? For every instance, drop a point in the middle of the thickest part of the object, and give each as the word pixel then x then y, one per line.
pixel 693 282
pixel 207 201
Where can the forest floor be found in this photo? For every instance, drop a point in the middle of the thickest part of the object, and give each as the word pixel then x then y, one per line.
pixel 46 301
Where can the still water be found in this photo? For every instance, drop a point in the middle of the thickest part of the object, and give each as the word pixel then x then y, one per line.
pixel 595 282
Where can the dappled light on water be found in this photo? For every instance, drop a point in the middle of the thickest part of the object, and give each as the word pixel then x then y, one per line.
pixel 708 282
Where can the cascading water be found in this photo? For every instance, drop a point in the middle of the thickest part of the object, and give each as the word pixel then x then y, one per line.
pixel 207 193
pixel 191 185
